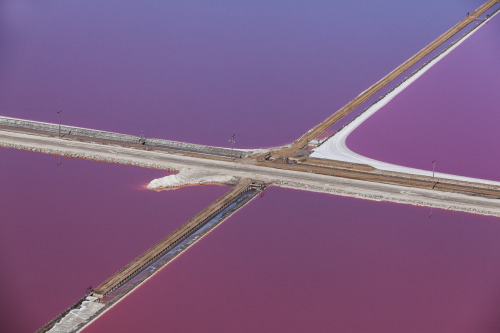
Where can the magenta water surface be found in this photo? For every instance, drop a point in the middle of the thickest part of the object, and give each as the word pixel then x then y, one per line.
pixel 64 228
pixel 304 262
pixel 450 114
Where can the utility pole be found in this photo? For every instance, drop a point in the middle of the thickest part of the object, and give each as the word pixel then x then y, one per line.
pixel 434 180
pixel 142 140
pixel 232 145
pixel 59 113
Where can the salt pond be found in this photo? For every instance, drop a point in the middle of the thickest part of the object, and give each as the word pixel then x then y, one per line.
pixel 303 262
pixel 199 73
pixel 64 228
pixel 450 115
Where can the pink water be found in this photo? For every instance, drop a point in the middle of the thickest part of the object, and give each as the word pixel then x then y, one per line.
pixel 304 262
pixel 450 114
pixel 65 228
pixel 196 72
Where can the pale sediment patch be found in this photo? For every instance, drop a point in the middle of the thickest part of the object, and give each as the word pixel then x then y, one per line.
pixel 190 177
pixel 77 317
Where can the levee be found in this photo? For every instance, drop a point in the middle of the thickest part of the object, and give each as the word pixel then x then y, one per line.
pixel 105 137
pixel 375 88
pixel 172 240
pixel 111 291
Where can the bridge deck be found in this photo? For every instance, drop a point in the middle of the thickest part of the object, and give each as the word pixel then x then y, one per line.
pixel 171 240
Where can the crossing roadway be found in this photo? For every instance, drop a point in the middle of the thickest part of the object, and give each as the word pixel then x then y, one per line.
pixel 342 179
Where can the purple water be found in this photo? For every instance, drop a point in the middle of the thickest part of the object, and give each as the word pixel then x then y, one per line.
pixel 199 73
pixel 450 114
pixel 304 262
pixel 66 227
